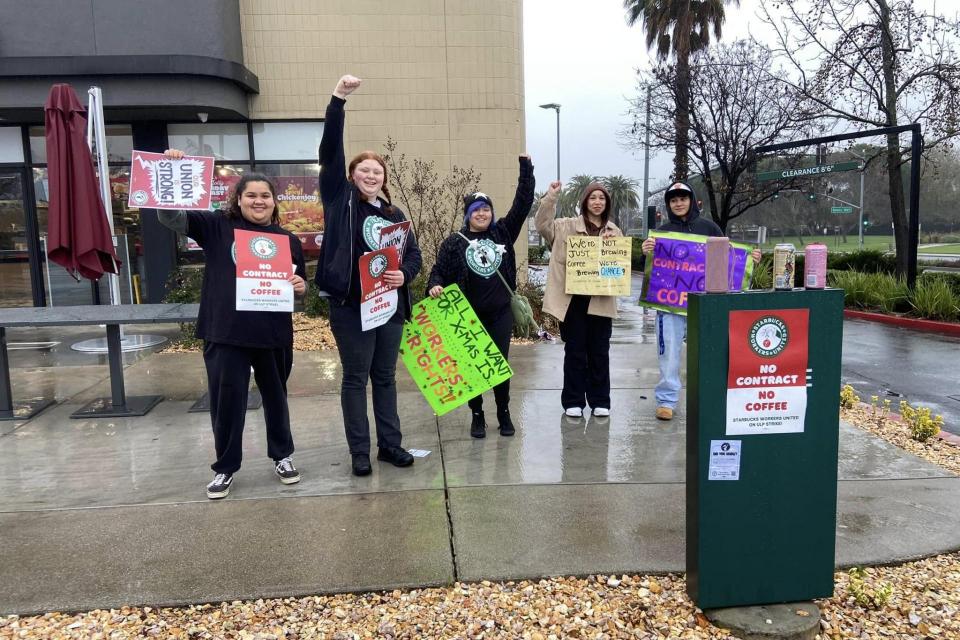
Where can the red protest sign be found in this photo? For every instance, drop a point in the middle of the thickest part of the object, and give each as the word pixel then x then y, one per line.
pixel 378 302
pixel 264 262
pixel 159 182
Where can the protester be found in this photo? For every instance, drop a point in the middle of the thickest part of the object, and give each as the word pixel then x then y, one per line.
pixel 683 211
pixel 586 322
pixel 354 213
pixel 471 258
pixel 235 341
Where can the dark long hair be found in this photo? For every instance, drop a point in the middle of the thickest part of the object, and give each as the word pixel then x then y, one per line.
pixel 233 204
pixel 372 155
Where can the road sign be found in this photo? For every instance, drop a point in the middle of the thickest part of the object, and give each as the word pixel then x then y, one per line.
pixel 800 172
pixel 839 210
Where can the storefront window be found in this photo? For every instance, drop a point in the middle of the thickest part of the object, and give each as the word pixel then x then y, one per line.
pixel 15 288
pixel 298 195
pixel 11 145
pixel 286 140
pixel 119 144
pixel 222 141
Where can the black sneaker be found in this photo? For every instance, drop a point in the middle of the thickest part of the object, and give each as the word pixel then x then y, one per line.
pixel 478 426
pixel 397 456
pixel 361 464
pixel 220 486
pixel 506 424
pixel 287 473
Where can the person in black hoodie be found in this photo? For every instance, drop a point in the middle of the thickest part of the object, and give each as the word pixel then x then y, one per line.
pixel 353 214
pixel 234 341
pixel 471 259
pixel 683 214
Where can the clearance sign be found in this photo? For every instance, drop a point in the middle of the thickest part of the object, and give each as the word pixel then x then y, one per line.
pixel 767 373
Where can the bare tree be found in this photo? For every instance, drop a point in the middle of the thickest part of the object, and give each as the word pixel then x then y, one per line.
pixel 433 202
pixel 736 105
pixel 869 64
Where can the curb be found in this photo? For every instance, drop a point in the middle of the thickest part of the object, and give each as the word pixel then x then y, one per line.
pixel 949 328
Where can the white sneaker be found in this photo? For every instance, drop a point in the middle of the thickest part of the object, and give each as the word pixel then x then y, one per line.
pixel 574 412
pixel 601 412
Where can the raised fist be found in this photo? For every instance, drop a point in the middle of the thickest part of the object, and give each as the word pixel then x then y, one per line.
pixel 347 85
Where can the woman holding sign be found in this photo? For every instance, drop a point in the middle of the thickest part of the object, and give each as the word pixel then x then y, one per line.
pixel 236 340
pixel 470 258
pixel 586 322
pixel 354 215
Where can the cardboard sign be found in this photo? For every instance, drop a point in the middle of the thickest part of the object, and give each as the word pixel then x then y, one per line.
pixel 448 353
pixel 158 182
pixel 598 266
pixel 378 302
pixel 264 262
pixel 767 374
pixel 676 268
pixel 395 235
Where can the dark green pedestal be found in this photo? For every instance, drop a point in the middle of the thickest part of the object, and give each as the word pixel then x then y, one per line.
pixel 769 536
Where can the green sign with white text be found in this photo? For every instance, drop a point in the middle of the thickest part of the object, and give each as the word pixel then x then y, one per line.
pixel 800 172
pixel 837 210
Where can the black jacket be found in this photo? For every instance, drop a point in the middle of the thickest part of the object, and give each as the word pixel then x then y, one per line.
pixel 340 199
pixel 451 265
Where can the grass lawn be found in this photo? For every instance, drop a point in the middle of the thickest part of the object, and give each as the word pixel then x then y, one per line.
pixel 836 243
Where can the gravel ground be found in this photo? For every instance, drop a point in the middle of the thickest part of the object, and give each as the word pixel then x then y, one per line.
pixel 923 602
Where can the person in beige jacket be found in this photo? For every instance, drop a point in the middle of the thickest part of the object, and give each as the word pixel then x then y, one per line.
pixel 586 322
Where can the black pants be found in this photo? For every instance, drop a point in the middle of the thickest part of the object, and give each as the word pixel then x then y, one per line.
pixel 500 327
pixel 367 355
pixel 586 361
pixel 228 379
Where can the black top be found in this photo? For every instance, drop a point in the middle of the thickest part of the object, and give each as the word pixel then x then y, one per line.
pixel 369 220
pixel 473 269
pixel 219 320
pixel 343 214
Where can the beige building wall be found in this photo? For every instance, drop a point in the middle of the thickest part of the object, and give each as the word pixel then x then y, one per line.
pixel 442 77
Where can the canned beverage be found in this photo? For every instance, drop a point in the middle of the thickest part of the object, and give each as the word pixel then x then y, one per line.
pixel 784 264
pixel 815 266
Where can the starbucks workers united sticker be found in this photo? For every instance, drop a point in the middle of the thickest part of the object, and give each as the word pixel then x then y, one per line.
pixel 767 372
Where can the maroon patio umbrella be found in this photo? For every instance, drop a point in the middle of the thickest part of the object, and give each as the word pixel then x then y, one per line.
pixel 78 233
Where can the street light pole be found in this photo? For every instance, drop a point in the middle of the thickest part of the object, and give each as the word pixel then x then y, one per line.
pixel 646 169
pixel 555 107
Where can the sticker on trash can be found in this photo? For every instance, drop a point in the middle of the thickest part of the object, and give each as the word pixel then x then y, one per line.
pixel 724 460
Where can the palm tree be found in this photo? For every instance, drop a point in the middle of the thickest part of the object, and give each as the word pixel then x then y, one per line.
pixel 569 204
pixel 623 196
pixel 678 27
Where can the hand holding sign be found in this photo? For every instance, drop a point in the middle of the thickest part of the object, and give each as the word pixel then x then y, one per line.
pixel 170 180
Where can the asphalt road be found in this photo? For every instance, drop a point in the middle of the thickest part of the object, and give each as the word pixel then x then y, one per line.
pixel 893 362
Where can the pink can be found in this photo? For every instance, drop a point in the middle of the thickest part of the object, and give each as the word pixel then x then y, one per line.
pixel 815 266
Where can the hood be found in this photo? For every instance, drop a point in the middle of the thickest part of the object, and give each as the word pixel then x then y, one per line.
pixel 694 205
pixel 595 186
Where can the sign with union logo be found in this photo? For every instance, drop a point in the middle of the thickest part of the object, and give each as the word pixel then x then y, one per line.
pixel 264 264
pixel 767 373
pixel 159 182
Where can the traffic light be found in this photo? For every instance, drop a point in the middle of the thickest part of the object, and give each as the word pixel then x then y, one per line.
pixel 812 196
pixel 775 196
pixel 866 221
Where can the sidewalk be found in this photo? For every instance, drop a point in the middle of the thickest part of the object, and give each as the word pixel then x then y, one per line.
pixel 102 513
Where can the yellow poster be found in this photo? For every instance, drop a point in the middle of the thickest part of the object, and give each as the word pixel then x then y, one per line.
pixel 598 266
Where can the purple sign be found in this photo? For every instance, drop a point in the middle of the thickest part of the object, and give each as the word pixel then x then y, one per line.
pixel 676 268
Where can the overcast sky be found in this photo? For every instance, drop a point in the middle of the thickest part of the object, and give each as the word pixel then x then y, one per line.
pixel 583 56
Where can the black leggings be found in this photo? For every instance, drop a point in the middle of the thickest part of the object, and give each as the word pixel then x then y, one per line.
pixel 500 327
pixel 586 360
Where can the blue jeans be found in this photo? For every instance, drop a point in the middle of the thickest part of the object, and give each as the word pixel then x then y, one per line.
pixel 367 355
pixel 671 330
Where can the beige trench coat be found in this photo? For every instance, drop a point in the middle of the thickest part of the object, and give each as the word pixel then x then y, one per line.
pixel 555 232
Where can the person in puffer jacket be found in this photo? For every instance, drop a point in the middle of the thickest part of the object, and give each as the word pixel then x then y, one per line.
pixel 471 259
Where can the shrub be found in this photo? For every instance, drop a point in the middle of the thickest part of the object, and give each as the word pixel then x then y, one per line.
pixel 866 595
pixel 763 273
pixel 933 298
pixel 183 286
pixel 922 425
pixel 952 279
pixel 865 260
pixel 871 290
pixel 637 259
pixel 534 295
pixel 848 397
pixel 535 254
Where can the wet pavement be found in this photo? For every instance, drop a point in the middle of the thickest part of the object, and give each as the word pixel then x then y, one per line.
pixel 99 513
pixel 898 363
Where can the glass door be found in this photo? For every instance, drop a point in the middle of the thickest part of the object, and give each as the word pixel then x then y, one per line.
pixel 15 286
